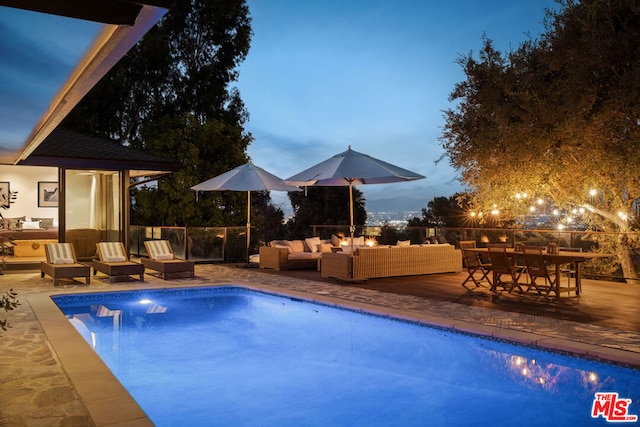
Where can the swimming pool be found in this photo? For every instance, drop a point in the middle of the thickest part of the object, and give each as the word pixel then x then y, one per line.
pixel 232 356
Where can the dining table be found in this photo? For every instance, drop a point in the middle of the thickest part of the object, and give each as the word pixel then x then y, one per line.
pixel 558 259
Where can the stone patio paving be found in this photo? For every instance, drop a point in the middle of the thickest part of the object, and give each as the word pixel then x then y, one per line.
pixel 36 391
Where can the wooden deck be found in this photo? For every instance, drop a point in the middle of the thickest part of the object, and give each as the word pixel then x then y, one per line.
pixel 609 304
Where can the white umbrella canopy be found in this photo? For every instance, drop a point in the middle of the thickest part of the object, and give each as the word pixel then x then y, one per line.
pixel 351 168
pixel 247 177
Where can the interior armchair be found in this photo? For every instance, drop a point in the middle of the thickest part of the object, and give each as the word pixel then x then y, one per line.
pixel 62 263
pixel 84 241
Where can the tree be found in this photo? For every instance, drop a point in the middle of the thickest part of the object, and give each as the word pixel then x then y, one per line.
pixel 324 205
pixel 171 95
pixel 556 118
pixel 442 212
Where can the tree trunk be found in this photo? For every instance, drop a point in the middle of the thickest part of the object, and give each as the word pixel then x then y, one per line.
pixel 625 255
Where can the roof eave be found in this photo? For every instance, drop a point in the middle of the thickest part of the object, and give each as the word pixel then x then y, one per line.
pixel 108 48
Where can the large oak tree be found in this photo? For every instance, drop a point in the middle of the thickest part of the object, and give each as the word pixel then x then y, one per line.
pixel 557 118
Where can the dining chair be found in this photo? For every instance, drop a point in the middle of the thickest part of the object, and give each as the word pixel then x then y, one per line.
pixel 474 265
pixel 571 271
pixel 537 269
pixel 502 265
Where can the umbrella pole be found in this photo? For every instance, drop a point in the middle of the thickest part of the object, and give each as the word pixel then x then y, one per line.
pixel 248 223
pixel 352 228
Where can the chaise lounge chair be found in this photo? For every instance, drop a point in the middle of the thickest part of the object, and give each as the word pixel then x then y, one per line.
pixel 162 259
pixel 113 262
pixel 62 263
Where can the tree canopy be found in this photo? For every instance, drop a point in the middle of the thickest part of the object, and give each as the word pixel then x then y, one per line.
pixel 326 206
pixel 444 212
pixel 172 95
pixel 557 118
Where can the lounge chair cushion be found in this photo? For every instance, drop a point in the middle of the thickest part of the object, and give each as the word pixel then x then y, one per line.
pixel 160 250
pixel 60 253
pixel 112 252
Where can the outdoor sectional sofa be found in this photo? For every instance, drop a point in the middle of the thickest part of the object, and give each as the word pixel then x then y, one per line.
pixel 390 261
pixel 294 254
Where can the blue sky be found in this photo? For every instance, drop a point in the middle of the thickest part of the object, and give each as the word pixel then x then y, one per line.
pixel 320 76
pixel 37 54
pixel 375 74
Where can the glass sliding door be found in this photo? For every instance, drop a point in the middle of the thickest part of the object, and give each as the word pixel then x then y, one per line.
pixel 93 208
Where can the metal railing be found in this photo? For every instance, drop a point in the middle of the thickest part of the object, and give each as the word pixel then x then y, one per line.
pixel 228 244
pixel 199 244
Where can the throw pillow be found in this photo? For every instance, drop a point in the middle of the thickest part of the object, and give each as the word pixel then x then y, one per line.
pixel 403 243
pixel 346 249
pixel 296 245
pixel 312 243
pixel 45 223
pixel 13 223
pixel 335 240
pixel 31 225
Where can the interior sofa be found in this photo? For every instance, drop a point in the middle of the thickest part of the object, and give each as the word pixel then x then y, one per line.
pixel 294 254
pixel 389 261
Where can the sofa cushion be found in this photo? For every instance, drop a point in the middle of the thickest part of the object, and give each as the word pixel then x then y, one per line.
pixel 276 243
pixel 325 247
pixel 347 249
pixel 312 243
pixel 304 255
pixel 287 247
pixel 357 241
pixel 295 245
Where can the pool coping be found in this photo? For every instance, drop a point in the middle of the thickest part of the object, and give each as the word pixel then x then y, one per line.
pixel 110 404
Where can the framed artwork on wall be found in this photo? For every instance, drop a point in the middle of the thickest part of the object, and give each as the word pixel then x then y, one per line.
pixel 47 194
pixel 5 195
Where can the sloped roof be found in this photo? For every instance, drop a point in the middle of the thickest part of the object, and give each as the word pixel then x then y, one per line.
pixel 53 53
pixel 69 149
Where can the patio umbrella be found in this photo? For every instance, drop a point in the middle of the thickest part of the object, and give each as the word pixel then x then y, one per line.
pixel 351 168
pixel 247 177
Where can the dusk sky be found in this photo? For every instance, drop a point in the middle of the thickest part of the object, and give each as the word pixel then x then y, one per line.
pixel 320 76
pixel 374 74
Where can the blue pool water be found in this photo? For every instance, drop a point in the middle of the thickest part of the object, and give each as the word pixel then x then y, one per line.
pixel 228 356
